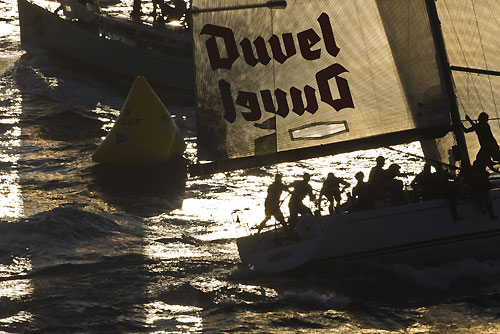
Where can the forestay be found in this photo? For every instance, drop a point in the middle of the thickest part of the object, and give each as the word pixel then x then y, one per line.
pixel 471 31
pixel 314 78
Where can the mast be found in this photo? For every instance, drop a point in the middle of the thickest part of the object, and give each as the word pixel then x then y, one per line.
pixel 442 59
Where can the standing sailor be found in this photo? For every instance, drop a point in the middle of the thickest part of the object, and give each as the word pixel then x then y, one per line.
pixel 272 203
pixel 489 146
pixel 136 10
pixel 301 189
pixel 331 190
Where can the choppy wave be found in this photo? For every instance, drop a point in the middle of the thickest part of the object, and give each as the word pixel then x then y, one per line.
pixel 450 275
pixel 64 234
pixel 314 299
pixel 62 224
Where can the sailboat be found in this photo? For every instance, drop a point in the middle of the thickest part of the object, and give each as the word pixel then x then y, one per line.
pixel 118 47
pixel 281 81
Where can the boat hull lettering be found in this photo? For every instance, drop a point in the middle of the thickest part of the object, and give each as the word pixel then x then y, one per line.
pixel 278 256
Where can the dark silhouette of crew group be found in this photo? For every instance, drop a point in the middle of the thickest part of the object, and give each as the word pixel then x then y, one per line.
pixel 385 188
pixel 382 185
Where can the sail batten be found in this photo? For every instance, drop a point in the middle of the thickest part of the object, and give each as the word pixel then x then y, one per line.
pixel 474 70
pixel 316 74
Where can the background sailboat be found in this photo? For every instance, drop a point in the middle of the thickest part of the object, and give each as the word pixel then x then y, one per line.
pixel 113 48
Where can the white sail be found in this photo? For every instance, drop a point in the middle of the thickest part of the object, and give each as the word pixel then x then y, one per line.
pixel 315 78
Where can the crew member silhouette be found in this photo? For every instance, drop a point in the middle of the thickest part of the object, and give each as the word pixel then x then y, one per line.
pixel 301 189
pixel 377 173
pixel 424 184
pixel 331 190
pixel 362 194
pixel 272 202
pixel 489 146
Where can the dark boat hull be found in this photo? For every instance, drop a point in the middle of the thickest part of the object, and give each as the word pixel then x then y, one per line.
pixel 166 64
pixel 422 233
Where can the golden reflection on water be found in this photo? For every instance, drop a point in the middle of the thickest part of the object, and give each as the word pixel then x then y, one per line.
pixel 257 290
pixel 11 201
pixel 161 251
pixel 188 318
pixel 20 317
pixel 16 289
pixel 19 266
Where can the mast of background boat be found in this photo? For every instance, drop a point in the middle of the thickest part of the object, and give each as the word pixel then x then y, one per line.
pixel 268 4
pixel 442 58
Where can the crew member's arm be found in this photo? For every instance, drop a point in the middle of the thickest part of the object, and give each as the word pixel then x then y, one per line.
pixel 311 195
pixel 472 125
pixel 321 193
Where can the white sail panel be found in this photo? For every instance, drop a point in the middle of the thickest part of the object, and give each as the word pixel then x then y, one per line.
pixel 313 74
pixel 471 31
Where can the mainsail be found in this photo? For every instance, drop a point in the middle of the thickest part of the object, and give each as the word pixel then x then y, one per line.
pixel 471 32
pixel 315 78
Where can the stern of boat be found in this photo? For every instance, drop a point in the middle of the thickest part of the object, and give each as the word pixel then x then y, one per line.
pixel 279 250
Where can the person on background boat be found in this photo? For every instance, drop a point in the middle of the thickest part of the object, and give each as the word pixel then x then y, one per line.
pixel 362 196
pixel 331 190
pixel 136 9
pixel 160 5
pixel 273 202
pixel 168 13
pixel 176 13
pixel 82 10
pixel 489 146
pixel 301 189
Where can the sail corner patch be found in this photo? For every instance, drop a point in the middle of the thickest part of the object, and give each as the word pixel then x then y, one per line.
pixel 319 130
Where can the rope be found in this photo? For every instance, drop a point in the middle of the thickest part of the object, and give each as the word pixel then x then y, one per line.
pixel 423 158
pixel 283 200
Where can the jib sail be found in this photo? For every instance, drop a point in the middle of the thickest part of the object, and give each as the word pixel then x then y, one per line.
pixel 471 32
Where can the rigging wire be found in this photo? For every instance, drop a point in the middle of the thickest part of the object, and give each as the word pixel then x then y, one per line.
pixel 463 55
pixel 452 167
pixel 484 57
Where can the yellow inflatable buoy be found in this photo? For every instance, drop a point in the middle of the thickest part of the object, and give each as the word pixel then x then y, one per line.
pixel 144 132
